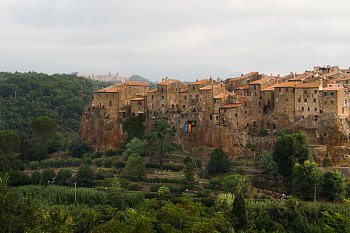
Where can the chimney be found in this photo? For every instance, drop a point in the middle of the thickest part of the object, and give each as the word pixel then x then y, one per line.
pixel 162 79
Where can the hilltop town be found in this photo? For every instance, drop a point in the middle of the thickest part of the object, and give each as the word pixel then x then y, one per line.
pixel 231 113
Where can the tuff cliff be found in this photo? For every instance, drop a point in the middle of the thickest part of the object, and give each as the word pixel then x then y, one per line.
pixel 99 131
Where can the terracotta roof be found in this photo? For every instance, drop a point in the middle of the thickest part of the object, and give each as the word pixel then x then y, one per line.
pixel 244 76
pixel 221 95
pixel 136 83
pixel 184 90
pixel 300 77
pixel 345 78
pixel 270 88
pixel 202 82
pixel 308 85
pixel 210 87
pixel 235 105
pixel 286 84
pixel 260 81
pixel 153 91
pixel 244 98
pixel 333 88
pixel 242 88
pixel 168 82
pixel 137 99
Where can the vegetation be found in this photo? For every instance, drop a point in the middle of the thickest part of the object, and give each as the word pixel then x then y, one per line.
pixel 218 162
pixel 333 186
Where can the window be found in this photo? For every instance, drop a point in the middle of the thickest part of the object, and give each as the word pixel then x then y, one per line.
pixel 332 93
pixel 314 100
pixel 110 103
pixel 325 102
pixel 185 97
pixel 299 100
pixel 236 115
pixel 279 89
pixel 332 101
pixel 162 90
pixel 193 88
pixel 184 106
pixel 302 109
pixel 315 91
pixel 217 118
pixel 308 109
pixel 305 92
pixel 315 109
pixel 152 97
pixel 305 100
pixel 245 112
pixel 324 93
pixel 211 117
pixel 162 97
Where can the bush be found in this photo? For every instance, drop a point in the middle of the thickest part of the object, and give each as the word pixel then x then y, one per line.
pixel 133 186
pixel 101 174
pixel 236 184
pixel 17 178
pixel 263 132
pixel 110 153
pixel 33 165
pixel 35 177
pixel 85 176
pixel 47 176
pixel 215 182
pixel 107 163
pixel 120 164
pixel 266 162
pixel 63 177
pixel 134 168
pixel 170 167
pixel 333 185
pixel 78 149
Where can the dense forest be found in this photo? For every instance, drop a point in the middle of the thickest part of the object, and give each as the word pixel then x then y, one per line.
pixel 52 182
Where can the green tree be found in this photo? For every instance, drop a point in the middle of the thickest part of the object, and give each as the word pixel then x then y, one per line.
pixel 290 148
pixel 135 126
pixel 63 177
pixel 85 176
pixel 78 149
pixel 43 128
pixel 189 173
pixel 10 142
pixel 306 178
pixel 159 139
pixel 135 146
pixel 266 162
pixel 239 213
pixel 135 167
pixel 218 162
pixel 333 185
pixel 236 184
pixel 47 176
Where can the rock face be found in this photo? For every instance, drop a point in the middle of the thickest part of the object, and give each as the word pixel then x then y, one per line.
pixel 99 131
pixel 328 136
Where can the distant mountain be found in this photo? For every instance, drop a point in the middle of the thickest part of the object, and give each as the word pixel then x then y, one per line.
pixel 142 79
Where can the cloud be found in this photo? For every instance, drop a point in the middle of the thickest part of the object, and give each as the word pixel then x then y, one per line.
pixel 183 38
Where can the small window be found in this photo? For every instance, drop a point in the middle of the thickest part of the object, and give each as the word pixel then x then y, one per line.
pixel 315 91
pixel 315 109
pixel 162 97
pixel 308 109
pixel 299 100
pixel 110 103
pixel 184 106
pixel 305 100
pixel 185 97
pixel 245 112
pixel 314 100
pixel 302 109
pixel 211 117
pixel 324 93
pixel 193 88
pixel 152 97
pixel 236 115
pixel 305 92
pixel 217 118
pixel 332 93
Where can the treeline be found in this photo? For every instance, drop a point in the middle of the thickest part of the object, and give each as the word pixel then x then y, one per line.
pixel 43 110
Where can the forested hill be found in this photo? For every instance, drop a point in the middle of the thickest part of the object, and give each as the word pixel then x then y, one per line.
pixel 24 96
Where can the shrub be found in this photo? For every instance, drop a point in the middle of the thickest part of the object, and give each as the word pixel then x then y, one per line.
pixel 47 176
pixel 236 184
pixel 133 186
pixel 85 176
pixel 110 153
pixel 134 168
pixel 266 162
pixel 33 165
pixel 218 162
pixel 35 177
pixel 333 185
pixel 263 132
pixel 107 163
pixel 215 182
pixel 63 177
pixel 78 149
pixel 17 178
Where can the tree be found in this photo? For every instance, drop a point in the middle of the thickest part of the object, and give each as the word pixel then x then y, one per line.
pixel 48 176
pixel 189 173
pixel 266 162
pixel 239 213
pixel 10 142
pixel 306 178
pixel 290 148
pixel 85 176
pixel 135 146
pixel 134 167
pixel 333 185
pixel 43 128
pixel 218 162
pixel 159 139
pixel 63 177
pixel 135 126
pixel 78 149
pixel 236 184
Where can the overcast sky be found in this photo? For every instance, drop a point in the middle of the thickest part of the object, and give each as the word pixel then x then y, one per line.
pixel 184 39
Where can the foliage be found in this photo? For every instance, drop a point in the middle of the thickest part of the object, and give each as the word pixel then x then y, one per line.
pixel 290 148
pixel 333 185
pixel 305 178
pixel 266 162
pixel 10 142
pixel 335 222
pixel 224 202
pixel 135 126
pixel 47 176
pixel 159 139
pixel 218 162
pixel 43 128
pixel 85 176
pixel 134 167
pixel 236 184
pixel 78 149
pixel 17 178
pixel 239 214
pixel 215 182
pixel 135 146
pixel 35 177
pixel 189 174
pixel 63 177
pixel 163 191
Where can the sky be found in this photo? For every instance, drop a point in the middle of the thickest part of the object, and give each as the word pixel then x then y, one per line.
pixel 183 39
